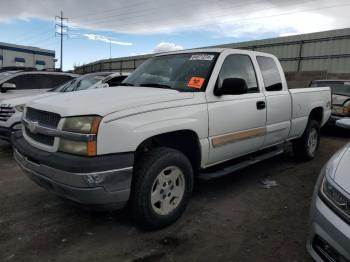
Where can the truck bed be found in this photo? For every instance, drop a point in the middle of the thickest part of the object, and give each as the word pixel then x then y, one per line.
pixel 306 99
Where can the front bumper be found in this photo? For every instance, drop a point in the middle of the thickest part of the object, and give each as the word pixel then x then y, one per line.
pixel 329 237
pixel 97 181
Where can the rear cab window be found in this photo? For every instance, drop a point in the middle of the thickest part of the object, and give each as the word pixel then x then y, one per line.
pixel 270 73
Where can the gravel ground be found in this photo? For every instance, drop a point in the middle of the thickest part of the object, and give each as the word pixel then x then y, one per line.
pixel 229 219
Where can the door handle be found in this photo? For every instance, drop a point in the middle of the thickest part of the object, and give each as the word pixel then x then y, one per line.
pixel 260 105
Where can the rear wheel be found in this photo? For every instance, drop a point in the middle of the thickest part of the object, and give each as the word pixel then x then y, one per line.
pixel 306 147
pixel 162 186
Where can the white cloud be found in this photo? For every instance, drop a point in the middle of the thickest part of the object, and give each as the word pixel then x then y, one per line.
pixel 167 47
pixel 255 25
pixel 233 18
pixel 102 38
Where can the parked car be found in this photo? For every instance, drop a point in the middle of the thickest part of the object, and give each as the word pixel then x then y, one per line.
pixel 15 84
pixel 329 237
pixel 11 109
pixel 340 97
pixel 177 116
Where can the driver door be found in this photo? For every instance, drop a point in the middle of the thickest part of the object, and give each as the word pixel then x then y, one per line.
pixel 237 123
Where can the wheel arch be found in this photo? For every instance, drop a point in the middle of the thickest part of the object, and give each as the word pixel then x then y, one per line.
pixel 186 141
pixel 317 115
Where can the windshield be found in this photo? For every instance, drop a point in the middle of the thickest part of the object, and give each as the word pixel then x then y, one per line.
pixel 80 83
pixel 338 87
pixel 182 72
pixel 86 82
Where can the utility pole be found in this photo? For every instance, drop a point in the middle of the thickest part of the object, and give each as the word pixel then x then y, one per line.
pixel 110 54
pixel 63 31
pixel 110 49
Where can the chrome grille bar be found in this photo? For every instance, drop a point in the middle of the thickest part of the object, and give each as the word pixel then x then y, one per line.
pixel 6 112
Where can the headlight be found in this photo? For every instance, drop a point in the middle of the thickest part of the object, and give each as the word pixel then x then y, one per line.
pixel 81 125
pixel 20 108
pixel 335 198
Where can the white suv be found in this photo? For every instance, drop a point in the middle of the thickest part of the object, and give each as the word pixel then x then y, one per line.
pixel 15 84
pixel 11 109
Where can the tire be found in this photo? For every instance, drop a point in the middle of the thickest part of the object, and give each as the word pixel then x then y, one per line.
pixel 306 147
pixel 165 174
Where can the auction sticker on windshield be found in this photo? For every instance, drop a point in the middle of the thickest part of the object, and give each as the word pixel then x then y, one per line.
pixel 202 57
pixel 196 82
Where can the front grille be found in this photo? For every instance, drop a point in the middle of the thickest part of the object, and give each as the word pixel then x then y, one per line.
pixel 6 112
pixel 43 118
pixel 43 139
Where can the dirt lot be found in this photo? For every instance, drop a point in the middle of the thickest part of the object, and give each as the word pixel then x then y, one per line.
pixel 229 219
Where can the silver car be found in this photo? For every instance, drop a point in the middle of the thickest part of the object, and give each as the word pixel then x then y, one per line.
pixel 329 237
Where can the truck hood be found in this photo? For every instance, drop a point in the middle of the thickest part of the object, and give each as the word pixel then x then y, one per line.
pixel 107 100
pixel 24 99
pixel 339 100
pixel 342 175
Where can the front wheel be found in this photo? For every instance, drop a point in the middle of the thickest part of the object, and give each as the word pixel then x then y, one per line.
pixel 306 147
pixel 162 186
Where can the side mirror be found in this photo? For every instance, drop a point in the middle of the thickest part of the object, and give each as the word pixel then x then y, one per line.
pixel 232 86
pixel 344 123
pixel 7 86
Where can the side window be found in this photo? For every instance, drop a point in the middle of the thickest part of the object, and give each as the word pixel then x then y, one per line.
pixel 44 81
pixel 239 66
pixel 22 82
pixel 270 73
pixel 58 80
pixel 47 81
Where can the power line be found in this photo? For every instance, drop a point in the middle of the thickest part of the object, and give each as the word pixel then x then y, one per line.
pixel 114 9
pixel 146 11
pixel 63 31
pixel 32 36
pixel 157 11
pixel 41 41
pixel 221 16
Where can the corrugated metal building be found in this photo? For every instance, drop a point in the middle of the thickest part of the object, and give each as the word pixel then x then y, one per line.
pixel 327 51
pixel 25 56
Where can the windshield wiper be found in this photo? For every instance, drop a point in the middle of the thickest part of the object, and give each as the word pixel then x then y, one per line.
pixel 156 85
pixel 126 84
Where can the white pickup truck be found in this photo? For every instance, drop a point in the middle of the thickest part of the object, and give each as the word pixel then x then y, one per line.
pixel 204 112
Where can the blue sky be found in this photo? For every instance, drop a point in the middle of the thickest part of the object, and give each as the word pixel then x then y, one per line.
pixel 146 26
